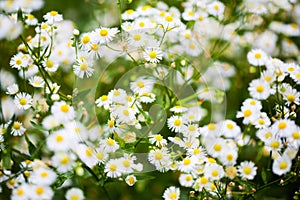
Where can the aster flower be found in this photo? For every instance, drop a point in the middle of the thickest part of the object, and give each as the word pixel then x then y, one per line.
pixel 130 180
pixel 257 57
pixel 247 169
pixel 171 193
pixel 53 16
pixel 281 165
pixel 74 193
pixel 153 54
pixel 36 81
pixel 175 123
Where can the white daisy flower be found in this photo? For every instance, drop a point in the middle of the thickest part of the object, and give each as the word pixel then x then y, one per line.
pixel 186 180
pixel 129 14
pixel 41 192
pixel 43 176
pixel 130 180
pixel 17 128
pixel 21 192
pixel 216 9
pixel 291 95
pixel 188 165
pixel 87 155
pixel 158 140
pixel 257 57
pixel 153 54
pixel 103 101
pixel 50 65
pixel 109 145
pixel 63 111
pixel 263 121
pixel 147 98
pixel 117 96
pixel 281 165
pixel 59 140
pixel 63 161
pixel 214 172
pixel 36 81
pixel 52 17
pixel 260 89
pixel 23 100
pixel 12 89
pixel 175 123
pixel 142 85
pixel 83 68
pixel 31 20
pixel 202 183
pixel 160 158
pixel 113 168
pixel 171 193
pixel 284 127
pixel 247 169
pixel 19 61
pixel 249 113
pixel 105 35
pixel 178 109
pixel 74 194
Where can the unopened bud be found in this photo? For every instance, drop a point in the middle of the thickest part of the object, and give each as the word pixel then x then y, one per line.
pixel 192 193
pixel 76 32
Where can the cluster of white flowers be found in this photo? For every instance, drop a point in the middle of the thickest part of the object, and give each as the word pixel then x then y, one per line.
pixel 184 60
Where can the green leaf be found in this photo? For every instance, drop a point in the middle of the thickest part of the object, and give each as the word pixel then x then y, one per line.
pixel 35 125
pixel 264 176
pixel 31 146
pixel 6 160
pixel 62 178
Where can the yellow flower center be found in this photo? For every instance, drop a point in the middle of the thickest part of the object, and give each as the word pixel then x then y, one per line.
pixel 268 135
pixel 113 167
pixel 20 192
pixel 177 122
pixel 94 47
pixel 169 18
pixel 196 151
pixel 74 197
pixel 211 126
pixel 247 113
pixel 137 37
pixel 130 11
pixel 65 160
pixel 290 97
pixel 89 152
pixel 49 64
pixel 283 165
pixel 173 195
pixel 216 7
pixel 53 13
pixel 103 32
pixel 59 138
pixel 16 126
pixel 85 39
pixel 203 180
pixel 186 161
pixel 111 123
pixel 158 138
pixel 229 157
pixel 281 125
pixel 261 122
pixel 152 54
pixel 188 178
pixel 217 147
pixel 104 98
pixel 83 67
pixel 260 88
pixel 64 108
pixel 140 84
pixel 247 170
pixel 214 173
pixel 158 156
pixel 18 62
pixel 296 135
pixel 275 145
pixel 230 126
pixel 126 112
pixel 126 163
pixel 191 128
pixel 44 174
pixel 39 190
pixel 110 142
pixel 258 55
pixel 100 156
